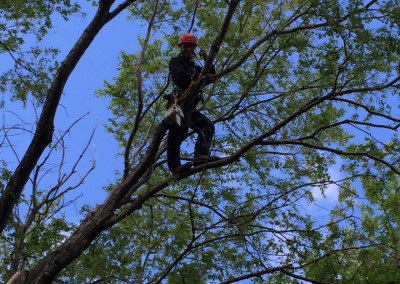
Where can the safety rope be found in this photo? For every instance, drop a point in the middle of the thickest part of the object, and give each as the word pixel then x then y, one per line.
pixel 185 93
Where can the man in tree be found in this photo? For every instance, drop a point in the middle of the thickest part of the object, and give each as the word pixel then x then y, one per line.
pixel 183 71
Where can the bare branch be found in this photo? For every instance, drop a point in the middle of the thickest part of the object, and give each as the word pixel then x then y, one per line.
pixel 357 104
pixel 139 92
pixel 336 151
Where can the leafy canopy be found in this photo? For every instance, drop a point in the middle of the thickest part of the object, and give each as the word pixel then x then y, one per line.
pixel 306 114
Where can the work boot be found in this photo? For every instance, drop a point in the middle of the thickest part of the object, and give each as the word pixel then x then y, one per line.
pixel 203 158
pixel 182 168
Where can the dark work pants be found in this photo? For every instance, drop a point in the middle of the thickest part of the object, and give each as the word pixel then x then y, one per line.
pixel 200 125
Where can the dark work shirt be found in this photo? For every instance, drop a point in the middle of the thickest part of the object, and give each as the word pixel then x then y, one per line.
pixel 183 70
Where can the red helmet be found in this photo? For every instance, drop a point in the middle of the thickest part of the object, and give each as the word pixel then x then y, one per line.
pixel 187 37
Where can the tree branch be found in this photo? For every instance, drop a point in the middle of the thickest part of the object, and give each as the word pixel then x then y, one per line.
pixel 139 92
